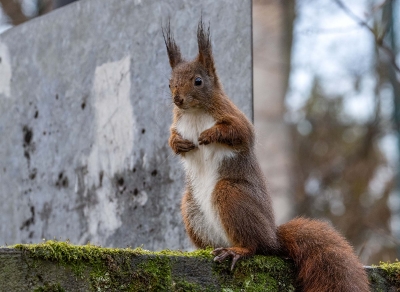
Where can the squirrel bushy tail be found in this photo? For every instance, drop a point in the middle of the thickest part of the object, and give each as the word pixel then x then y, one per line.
pixel 323 258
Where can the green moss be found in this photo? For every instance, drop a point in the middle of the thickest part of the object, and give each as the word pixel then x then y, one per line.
pixel 109 269
pixel 49 288
pixel 392 271
pixel 180 285
pixel 260 273
pixel 153 275
pixel 200 253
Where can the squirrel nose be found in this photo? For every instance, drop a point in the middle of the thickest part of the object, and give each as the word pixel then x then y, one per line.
pixel 178 100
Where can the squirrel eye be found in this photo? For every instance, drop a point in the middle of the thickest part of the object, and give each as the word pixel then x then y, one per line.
pixel 169 85
pixel 198 81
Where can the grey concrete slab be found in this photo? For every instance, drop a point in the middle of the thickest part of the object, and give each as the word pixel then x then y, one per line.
pixel 84 117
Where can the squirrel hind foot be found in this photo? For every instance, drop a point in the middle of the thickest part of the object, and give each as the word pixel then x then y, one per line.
pixel 236 253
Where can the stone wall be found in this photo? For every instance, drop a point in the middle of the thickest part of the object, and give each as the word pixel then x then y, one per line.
pixel 84 118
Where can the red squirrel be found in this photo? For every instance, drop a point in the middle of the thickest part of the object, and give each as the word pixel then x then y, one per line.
pixel 226 204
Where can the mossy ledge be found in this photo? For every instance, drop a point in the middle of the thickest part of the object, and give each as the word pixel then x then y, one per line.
pixel 60 266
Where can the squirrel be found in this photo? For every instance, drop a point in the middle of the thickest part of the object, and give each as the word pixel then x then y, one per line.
pixel 226 204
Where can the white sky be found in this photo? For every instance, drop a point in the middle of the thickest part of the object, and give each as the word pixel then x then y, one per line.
pixel 330 45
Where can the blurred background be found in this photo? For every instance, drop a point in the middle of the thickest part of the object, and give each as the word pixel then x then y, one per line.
pixel 326 111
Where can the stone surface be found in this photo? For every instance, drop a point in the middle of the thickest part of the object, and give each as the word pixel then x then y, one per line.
pixel 379 280
pixel 84 117
pixel 58 266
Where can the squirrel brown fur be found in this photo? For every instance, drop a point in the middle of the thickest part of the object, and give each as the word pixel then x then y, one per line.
pixel 226 204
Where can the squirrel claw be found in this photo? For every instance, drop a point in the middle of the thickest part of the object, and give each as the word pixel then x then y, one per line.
pixel 223 253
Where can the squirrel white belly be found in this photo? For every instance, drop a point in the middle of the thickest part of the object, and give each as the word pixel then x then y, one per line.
pixel 226 204
pixel 201 166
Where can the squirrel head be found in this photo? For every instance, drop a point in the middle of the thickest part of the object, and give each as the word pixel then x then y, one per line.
pixel 193 84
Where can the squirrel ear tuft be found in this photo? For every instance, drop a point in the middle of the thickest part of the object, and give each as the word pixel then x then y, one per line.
pixel 205 56
pixel 174 54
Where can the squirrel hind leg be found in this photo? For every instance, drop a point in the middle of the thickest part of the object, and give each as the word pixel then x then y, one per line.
pixel 189 211
pixel 235 253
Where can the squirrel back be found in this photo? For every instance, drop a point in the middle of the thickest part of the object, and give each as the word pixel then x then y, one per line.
pixel 226 204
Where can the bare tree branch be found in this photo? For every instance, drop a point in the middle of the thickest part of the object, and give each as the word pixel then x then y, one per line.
pixel 378 39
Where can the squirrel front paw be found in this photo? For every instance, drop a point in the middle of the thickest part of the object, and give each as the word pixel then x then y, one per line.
pixel 180 145
pixel 208 136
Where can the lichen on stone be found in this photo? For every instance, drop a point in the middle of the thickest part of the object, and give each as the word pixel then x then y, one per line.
pixel 49 288
pixel 259 273
pixel 392 271
pixel 117 269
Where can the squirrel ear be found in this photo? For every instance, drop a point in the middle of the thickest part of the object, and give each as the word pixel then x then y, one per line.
pixel 205 56
pixel 174 54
